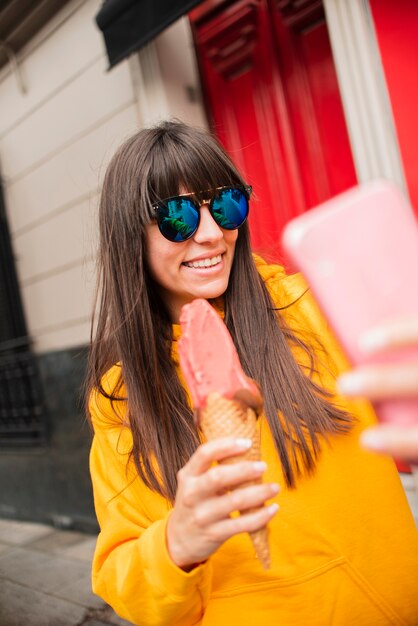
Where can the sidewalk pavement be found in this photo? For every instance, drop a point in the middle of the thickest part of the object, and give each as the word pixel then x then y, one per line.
pixel 45 578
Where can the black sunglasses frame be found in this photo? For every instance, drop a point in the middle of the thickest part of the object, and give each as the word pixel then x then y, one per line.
pixel 208 197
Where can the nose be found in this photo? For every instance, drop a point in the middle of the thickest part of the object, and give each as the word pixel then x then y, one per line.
pixel 208 230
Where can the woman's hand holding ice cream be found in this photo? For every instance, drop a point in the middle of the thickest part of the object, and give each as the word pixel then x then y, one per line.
pixel 379 382
pixel 200 521
pixel 224 400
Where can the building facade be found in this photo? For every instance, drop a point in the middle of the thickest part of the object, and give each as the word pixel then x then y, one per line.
pixel 309 98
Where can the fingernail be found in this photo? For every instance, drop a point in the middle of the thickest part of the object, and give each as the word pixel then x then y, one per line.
pixel 274 487
pixel 273 507
pixel 373 340
pixel 260 466
pixel 350 384
pixel 371 439
pixel 243 443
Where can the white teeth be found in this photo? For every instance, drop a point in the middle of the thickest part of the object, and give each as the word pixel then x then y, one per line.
pixel 205 262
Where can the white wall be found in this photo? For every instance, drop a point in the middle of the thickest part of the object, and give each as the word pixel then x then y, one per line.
pixel 55 141
pixel 165 78
pixel 179 73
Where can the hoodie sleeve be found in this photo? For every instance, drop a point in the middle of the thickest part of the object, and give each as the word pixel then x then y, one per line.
pixel 132 569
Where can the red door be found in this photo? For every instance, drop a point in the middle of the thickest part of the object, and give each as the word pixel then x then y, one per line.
pixel 273 100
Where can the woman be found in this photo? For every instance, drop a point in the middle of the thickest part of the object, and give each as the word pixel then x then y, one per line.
pixel 344 546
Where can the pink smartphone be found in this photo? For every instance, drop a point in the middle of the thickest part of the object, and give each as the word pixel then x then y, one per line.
pixel 359 254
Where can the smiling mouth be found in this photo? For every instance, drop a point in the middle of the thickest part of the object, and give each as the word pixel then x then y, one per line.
pixel 209 262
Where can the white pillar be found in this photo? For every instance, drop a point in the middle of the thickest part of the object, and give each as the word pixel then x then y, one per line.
pixel 166 79
pixel 151 99
pixel 364 91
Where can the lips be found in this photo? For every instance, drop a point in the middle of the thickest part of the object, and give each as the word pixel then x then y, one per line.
pixel 202 263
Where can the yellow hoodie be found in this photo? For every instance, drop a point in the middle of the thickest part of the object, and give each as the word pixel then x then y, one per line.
pixel 344 544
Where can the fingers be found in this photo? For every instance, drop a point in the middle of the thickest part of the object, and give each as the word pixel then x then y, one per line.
pixel 248 523
pixel 206 496
pixel 402 443
pixel 217 509
pixel 381 382
pixel 215 450
pixel 217 481
pixel 222 478
pixel 401 332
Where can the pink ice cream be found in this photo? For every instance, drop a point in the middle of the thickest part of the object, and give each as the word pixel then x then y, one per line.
pixel 224 397
pixel 209 360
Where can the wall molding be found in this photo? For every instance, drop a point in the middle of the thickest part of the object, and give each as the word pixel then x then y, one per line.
pixel 148 85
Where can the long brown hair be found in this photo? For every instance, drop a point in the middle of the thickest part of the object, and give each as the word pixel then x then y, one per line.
pixel 133 325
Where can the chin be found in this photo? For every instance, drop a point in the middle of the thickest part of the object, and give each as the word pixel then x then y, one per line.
pixel 211 294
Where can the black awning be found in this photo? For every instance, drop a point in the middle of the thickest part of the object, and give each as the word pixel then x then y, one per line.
pixel 127 25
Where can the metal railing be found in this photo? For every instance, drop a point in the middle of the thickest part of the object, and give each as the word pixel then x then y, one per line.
pixel 22 417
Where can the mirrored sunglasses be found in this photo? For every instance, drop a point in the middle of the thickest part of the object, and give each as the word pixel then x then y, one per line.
pixel 178 217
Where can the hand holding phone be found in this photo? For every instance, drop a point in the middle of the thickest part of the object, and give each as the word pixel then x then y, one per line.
pixel 385 381
pixel 359 253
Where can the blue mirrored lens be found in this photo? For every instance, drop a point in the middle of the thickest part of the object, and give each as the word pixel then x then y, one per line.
pixel 230 208
pixel 177 219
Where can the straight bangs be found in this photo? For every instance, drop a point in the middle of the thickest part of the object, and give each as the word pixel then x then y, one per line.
pixel 187 163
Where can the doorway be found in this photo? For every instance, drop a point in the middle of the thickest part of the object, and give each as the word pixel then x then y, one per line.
pixel 272 98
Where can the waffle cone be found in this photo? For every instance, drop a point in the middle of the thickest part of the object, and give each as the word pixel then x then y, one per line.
pixel 229 418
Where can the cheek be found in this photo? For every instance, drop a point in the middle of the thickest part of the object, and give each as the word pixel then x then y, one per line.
pixel 230 237
pixel 162 255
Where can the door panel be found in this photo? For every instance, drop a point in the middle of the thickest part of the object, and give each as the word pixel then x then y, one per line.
pixel 321 139
pixel 248 111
